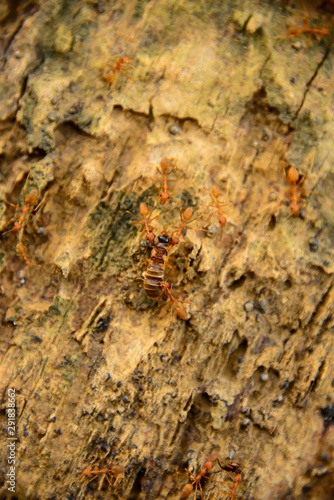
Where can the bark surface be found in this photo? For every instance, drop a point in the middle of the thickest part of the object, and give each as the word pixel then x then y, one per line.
pixel 97 368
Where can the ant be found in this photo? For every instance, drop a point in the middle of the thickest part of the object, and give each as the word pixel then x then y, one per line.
pixel 165 165
pixel 27 209
pixel 145 221
pixel 196 480
pixel 121 65
pixel 22 250
pixel 112 471
pixel 21 220
pixel 185 220
pixel 214 195
pixel 180 310
pixel 306 29
pixel 296 180
pixel 235 468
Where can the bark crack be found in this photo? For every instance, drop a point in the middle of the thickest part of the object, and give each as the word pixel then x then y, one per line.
pixel 320 305
pixel 309 83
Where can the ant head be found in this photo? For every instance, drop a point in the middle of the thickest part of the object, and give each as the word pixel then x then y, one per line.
pixel 174 240
pixel 143 209
pixel 208 465
pixel 293 174
pixel 124 60
pixel 222 220
pixel 163 197
pixel 295 208
pixel 150 238
pixel 86 472
pixel 164 285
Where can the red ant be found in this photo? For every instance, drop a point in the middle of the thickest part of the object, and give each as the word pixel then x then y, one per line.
pixel 21 220
pixel 165 165
pixel 180 310
pixel 145 221
pixel 185 220
pixel 296 180
pixel 27 209
pixel 112 471
pixel 217 205
pixel 120 66
pixel 196 480
pixel 235 468
pixel 306 29
pixel 22 250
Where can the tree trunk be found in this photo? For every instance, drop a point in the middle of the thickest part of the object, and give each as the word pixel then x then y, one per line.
pixel 236 92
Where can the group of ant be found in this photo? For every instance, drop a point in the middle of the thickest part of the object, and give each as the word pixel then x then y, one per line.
pixel 20 221
pixel 232 468
pixel 155 284
pixel 109 73
pixel 122 65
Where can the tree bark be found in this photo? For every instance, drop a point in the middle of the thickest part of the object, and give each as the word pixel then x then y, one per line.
pixel 94 366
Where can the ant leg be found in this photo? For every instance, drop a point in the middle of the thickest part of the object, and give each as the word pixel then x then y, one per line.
pixel 103 72
pixel 127 74
pixel 283 202
pixel 12 204
pixel 96 475
pixel 200 487
pixel 158 169
pixel 182 291
pixel 13 218
pixel 171 317
pixel 301 181
pixel 172 172
pixel 170 268
pixel 149 215
pixel 107 476
pixel 193 303
pixel 40 203
pixel 206 190
pixel 183 474
pixel 302 190
pixel 129 66
pixel 170 323
pixel 126 71
pixel 166 306
pixel 133 215
pixel 22 250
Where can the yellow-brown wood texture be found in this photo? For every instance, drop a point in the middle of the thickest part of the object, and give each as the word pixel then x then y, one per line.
pixel 225 90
